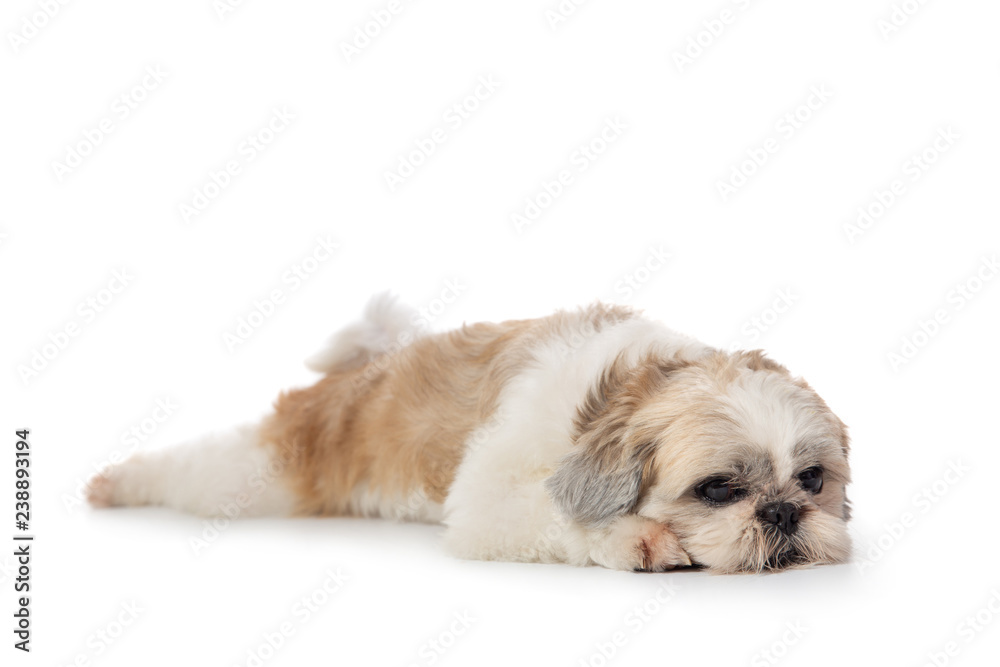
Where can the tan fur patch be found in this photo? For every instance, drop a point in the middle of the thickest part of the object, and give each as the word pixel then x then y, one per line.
pixel 398 424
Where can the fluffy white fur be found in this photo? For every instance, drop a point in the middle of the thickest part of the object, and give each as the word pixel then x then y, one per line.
pixel 386 324
pixel 222 474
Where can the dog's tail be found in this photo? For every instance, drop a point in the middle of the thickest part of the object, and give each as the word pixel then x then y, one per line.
pixel 385 324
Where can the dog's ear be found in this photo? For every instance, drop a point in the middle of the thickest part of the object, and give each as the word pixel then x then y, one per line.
pixel 603 476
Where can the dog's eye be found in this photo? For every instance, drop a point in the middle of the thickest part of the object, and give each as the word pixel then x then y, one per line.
pixel 718 490
pixel 812 479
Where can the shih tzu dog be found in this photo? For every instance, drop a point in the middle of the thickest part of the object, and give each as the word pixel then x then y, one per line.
pixel 587 437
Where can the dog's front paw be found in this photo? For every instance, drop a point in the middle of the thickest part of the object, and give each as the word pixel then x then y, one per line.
pixel 639 544
pixel 660 550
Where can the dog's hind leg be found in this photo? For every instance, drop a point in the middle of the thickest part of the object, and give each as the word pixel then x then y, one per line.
pixel 226 474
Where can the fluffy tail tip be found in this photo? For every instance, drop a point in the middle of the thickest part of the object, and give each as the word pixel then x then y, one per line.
pixel 384 320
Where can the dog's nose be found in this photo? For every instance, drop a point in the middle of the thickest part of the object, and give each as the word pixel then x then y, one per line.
pixel 783 515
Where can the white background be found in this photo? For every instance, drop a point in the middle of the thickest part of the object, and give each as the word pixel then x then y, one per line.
pixel 686 127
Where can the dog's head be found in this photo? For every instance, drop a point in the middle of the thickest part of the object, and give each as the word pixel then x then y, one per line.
pixel 746 464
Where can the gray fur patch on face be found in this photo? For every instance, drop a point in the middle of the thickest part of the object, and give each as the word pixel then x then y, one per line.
pixel 603 477
pixel 592 494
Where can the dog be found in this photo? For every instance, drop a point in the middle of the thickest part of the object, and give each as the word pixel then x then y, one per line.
pixel 588 437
